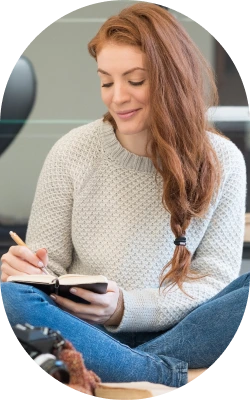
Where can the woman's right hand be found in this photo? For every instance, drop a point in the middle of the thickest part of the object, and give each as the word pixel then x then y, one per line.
pixel 20 260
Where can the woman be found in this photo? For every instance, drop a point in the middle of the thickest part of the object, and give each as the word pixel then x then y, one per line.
pixel 150 196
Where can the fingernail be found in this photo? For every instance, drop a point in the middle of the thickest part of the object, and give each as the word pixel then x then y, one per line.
pixel 73 290
pixel 45 249
pixel 40 264
pixel 53 296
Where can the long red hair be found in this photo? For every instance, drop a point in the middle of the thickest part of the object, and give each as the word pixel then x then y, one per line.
pixel 182 89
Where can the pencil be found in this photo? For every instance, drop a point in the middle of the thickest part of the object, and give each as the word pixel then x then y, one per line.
pixel 20 242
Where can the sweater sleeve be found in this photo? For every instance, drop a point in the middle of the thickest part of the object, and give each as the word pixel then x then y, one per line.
pixel 50 219
pixel 218 255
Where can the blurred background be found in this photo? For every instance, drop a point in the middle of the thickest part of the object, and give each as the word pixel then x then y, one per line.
pixel 54 88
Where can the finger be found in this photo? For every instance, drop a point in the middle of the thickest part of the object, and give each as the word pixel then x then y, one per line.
pixel 112 286
pixel 72 306
pixel 26 254
pixel 4 277
pixel 16 266
pixel 9 271
pixel 91 297
pixel 42 254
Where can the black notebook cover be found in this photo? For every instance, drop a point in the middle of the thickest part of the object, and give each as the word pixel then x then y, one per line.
pixel 63 290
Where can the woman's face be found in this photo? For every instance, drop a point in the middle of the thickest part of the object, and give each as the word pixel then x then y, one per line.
pixel 125 87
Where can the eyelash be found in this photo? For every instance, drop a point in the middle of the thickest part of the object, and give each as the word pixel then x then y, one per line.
pixel 107 85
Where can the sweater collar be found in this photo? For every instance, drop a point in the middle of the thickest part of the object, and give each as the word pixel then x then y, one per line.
pixel 115 151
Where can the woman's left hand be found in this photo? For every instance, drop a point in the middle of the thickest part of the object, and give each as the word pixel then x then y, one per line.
pixel 99 311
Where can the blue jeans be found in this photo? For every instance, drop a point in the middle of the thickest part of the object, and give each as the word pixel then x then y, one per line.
pixel 160 357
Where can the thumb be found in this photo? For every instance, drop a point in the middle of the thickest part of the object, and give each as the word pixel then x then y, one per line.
pixel 43 255
pixel 112 287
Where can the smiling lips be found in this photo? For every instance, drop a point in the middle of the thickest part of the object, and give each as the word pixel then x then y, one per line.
pixel 127 111
pixel 127 114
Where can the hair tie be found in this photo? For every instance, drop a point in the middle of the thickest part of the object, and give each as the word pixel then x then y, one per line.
pixel 180 241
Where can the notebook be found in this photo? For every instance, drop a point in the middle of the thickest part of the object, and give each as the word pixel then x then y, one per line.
pixel 61 285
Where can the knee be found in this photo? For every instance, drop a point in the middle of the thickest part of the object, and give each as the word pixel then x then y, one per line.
pixel 16 292
pixel 12 295
pixel 246 278
pixel 8 290
pixel 19 300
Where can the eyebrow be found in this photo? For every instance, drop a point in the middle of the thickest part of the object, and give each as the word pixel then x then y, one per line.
pixel 124 73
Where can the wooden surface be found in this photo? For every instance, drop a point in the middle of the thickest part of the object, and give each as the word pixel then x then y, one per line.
pixel 140 390
pixel 136 390
pixel 131 390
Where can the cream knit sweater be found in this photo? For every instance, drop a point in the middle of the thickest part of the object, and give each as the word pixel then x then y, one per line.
pixel 98 210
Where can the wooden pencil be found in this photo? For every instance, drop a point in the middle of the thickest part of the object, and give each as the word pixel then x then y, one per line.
pixel 20 242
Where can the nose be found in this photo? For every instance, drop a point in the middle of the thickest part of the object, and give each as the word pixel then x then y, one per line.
pixel 120 94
